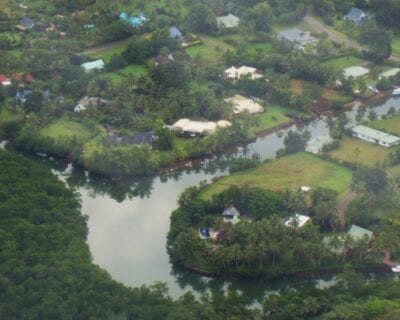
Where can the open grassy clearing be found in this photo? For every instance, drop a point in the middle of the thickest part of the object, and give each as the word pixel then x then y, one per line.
pixel 211 50
pixel 297 87
pixel 263 47
pixel 390 125
pixel 396 45
pixel 274 116
pixel 356 150
pixel 290 172
pixel 64 128
pixel 341 63
pixel 8 114
pixel 108 51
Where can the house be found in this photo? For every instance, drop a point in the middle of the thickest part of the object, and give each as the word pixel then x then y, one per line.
pixel 299 38
pixel 134 21
pixel 389 73
pixel 193 128
pixel 375 136
pixel 136 139
pixel 231 215
pixel 229 21
pixel 162 59
pixel 355 72
pixel 93 65
pixel 357 234
pixel 305 189
pixel 205 233
pixel 315 145
pixel 234 73
pixel 4 80
pixel 297 221
pixel 89 26
pixel 86 101
pixel 22 95
pixel 175 33
pixel 356 15
pixel 26 77
pixel 25 24
pixel 241 104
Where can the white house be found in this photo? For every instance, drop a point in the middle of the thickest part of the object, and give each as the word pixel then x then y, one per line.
pixel 86 101
pixel 375 136
pixel 234 73
pixel 192 128
pixel 297 221
pixel 389 73
pixel 93 65
pixel 241 104
pixel 229 21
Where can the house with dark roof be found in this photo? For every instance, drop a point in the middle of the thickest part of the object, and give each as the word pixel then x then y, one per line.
pixel 135 139
pixel 22 95
pixel 175 33
pixel 357 16
pixel 25 24
pixel 299 38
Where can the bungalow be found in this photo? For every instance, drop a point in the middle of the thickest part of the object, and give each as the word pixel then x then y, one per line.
pixel 86 101
pixel 162 59
pixel 93 65
pixel 355 72
pixel 231 215
pixel 375 136
pixel 136 139
pixel 357 234
pixel 241 104
pixel 390 73
pixel 297 221
pixel 175 33
pixel 25 24
pixel 193 128
pixel 234 73
pixel 229 21
pixel 299 38
pixel 315 145
pixel 356 15
pixel 134 21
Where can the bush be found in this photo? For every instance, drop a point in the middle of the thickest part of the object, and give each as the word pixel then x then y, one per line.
pixel 243 163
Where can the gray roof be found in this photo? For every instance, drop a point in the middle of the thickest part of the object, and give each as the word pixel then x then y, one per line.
pixel 356 15
pixel 296 36
pixel 174 32
pixel 375 134
pixel 27 23
pixel 231 211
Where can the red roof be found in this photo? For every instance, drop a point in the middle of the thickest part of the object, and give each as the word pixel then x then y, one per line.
pixel 3 78
pixel 22 76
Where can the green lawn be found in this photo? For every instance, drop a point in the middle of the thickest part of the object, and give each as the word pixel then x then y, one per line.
pixel 107 53
pixel 66 128
pixel 390 125
pixel 211 50
pixel 8 114
pixel 343 62
pixel 135 70
pixel 396 45
pixel 264 47
pixel 274 116
pixel 290 172
pixel 356 150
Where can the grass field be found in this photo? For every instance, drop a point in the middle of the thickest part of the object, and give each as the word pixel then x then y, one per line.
pixel 211 50
pixel 7 114
pixel 343 62
pixel 264 48
pixel 274 116
pixel 390 125
pixel 108 52
pixel 356 150
pixel 396 45
pixel 290 172
pixel 297 87
pixel 65 128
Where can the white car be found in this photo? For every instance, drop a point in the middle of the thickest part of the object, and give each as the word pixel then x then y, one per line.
pixel 396 268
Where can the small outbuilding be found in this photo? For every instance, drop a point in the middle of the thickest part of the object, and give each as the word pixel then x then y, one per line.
pixel 241 104
pixel 389 73
pixel 25 24
pixel 231 215
pixel 175 33
pixel 93 65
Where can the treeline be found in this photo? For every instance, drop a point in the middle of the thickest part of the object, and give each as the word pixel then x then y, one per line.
pixel 46 270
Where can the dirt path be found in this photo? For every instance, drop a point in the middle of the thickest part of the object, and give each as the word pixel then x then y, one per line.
pixel 387 259
pixel 106 46
pixel 342 206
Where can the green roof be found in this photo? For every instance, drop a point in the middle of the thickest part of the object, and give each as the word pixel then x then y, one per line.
pixel 358 233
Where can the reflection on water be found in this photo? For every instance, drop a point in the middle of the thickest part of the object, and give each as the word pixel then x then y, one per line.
pixel 129 218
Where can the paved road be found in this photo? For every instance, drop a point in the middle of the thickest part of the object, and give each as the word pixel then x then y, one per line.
pixel 320 27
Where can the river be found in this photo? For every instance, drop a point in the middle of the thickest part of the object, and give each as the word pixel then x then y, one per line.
pixel 129 219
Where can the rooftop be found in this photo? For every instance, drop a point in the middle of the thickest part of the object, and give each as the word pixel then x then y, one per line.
pixel 376 134
pixel 389 73
pixel 355 72
pixel 296 35
pixel 89 66
pixel 241 104
pixel 356 15
pixel 298 220
pixel 358 233
pixel 174 32
pixel 198 127
pixel 229 21
pixel 237 73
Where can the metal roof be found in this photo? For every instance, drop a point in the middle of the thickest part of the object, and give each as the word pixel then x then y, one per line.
pixel 229 21
pixel 375 134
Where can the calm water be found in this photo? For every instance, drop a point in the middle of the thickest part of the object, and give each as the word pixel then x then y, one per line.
pixel 129 220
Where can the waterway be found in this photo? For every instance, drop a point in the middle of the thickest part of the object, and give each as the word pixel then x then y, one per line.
pixel 128 219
